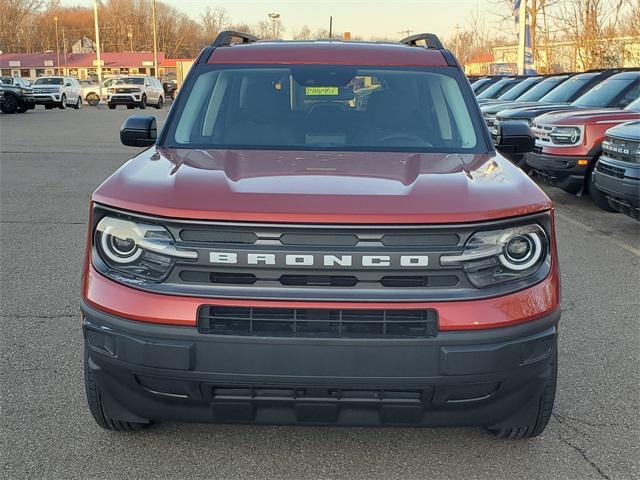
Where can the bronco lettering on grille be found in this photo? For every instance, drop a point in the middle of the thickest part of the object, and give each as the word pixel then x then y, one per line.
pixel 315 260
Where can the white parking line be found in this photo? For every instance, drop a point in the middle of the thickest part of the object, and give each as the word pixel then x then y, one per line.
pixel 587 228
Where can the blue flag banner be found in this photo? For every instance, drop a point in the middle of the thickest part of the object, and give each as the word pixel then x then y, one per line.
pixel 526 62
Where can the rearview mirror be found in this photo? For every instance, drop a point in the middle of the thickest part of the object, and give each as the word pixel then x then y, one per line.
pixel 514 137
pixel 139 131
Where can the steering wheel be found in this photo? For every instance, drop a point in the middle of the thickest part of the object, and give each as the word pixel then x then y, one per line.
pixel 405 136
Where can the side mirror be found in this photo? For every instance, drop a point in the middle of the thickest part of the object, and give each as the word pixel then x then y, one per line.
pixel 139 131
pixel 68 84
pixel 514 137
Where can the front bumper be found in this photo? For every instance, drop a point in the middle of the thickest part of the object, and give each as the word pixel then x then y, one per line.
pixel 124 99
pixel 560 170
pixel 161 372
pixel 620 181
pixel 47 99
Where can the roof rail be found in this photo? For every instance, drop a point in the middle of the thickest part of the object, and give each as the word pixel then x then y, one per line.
pixel 226 37
pixel 431 39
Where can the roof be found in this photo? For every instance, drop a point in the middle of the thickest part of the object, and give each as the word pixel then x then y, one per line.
pixel 328 52
pixel 78 60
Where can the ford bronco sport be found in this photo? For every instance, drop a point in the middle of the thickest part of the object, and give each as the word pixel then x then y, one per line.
pixel 322 233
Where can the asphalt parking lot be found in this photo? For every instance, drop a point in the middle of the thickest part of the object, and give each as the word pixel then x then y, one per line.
pixel 52 161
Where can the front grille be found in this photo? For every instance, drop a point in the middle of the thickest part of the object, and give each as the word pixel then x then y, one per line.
pixel 317 323
pixel 127 90
pixel 610 170
pixel 622 149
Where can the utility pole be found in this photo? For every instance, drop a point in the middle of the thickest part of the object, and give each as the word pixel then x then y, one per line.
pixel 404 33
pixel 97 29
pixel 55 20
pixel 155 39
pixel 330 27
pixel 457 27
pixel 64 51
pixel 275 31
pixel 130 35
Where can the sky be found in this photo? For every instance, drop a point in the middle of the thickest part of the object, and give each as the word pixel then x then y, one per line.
pixel 363 18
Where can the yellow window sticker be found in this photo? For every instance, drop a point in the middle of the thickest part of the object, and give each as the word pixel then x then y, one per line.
pixel 317 91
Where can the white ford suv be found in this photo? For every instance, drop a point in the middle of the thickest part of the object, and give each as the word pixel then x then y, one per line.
pixel 135 92
pixel 61 92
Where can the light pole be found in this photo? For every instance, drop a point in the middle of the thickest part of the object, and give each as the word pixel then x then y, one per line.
pixel 274 19
pixel 155 39
pixel 95 22
pixel 55 20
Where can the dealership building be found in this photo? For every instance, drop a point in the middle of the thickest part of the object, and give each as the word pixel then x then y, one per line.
pixel 84 65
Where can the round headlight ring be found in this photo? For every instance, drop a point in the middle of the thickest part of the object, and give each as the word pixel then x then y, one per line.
pixel 509 260
pixel 119 253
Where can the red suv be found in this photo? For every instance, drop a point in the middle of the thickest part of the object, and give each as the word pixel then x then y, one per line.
pixel 322 233
pixel 568 145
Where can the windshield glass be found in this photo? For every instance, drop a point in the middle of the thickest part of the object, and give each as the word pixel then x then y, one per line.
pixel 131 80
pixel 500 86
pixel 634 106
pixel 479 83
pixel 309 107
pixel 48 81
pixel 568 89
pixel 540 90
pixel 6 80
pixel 603 94
pixel 519 89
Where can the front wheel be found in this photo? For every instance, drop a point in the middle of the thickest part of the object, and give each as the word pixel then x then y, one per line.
pixel 10 105
pixel 96 407
pixel 112 107
pixel 143 102
pixel 63 102
pixel 599 198
pixel 93 99
pixel 543 407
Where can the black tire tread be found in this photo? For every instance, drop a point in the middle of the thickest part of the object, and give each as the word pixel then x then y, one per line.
pixel 95 405
pixel 545 408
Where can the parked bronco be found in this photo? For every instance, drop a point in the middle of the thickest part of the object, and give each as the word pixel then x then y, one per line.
pixel 18 95
pixel 617 173
pixel 322 233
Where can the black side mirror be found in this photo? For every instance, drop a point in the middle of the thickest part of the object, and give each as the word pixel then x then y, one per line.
pixel 139 131
pixel 514 137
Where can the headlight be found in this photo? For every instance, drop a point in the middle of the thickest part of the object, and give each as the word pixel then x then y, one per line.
pixel 566 135
pixel 136 250
pixel 111 90
pixel 497 256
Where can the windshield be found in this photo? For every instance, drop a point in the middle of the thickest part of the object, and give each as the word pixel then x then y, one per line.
pixel 325 107
pixel 48 81
pixel 540 90
pixel 519 89
pixel 6 80
pixel 479 83
pixel 603 94
pixel 497 88
pixel 568 89
pixel 131 80
pixel 634 106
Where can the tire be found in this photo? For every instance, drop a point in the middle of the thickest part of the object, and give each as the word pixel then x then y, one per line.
pixel 78 104
pixel 143 102
pixel 112 107
pixel 599 198
pixel 93 99
pixel 160 102
pixel 22 108
pixel 95 404
pixel 10 105
pixel 63 102
pixel 544 407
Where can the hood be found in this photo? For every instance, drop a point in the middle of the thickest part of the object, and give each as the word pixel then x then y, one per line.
pixel 533 110
pixel 629 130
pixel 321 187
pixel 493 108
pixel 587 116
